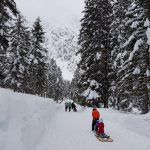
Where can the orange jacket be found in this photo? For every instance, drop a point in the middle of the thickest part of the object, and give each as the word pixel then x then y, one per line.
pixel 95 114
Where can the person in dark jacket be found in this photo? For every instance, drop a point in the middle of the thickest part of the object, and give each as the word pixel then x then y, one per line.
pixel 66 106
pixel 74 106
pixel 69 105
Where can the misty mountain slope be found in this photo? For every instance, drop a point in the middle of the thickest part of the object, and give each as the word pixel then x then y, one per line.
pixel 62 47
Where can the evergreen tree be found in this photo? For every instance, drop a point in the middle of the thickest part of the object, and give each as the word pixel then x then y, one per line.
pixel 55 85
pixel 26 74
pixel 66 89
pixel 74 85
pixel 7 10
pixel 59 86
pixel 145 4
pixel 19 55
pixel 51 79
pixel 94 42
pixel 137 61
pixel 132 58
pixel 38 59
pixel 118 38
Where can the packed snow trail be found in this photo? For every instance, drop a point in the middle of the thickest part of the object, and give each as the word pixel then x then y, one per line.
pixel 72 131
pixel 30 122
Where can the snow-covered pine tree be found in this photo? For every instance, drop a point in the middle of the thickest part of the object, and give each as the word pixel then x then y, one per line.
pixel 17 66
pixel 38 59
pixel 94 42
pixel 117 40
pixel 26 75
pixel 59 85
pixel 7 11
pixel 66 89
pixel 55 81
pixel 146 4
pixel 132 73
pixel 51 78
pixel 74 85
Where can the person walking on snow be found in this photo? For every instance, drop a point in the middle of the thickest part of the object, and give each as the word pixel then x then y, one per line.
pixel 95 116
pixel 73 106
pixel 69 105
pixel 66 106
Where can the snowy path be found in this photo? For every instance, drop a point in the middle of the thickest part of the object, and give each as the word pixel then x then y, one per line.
pixel 29 122
pixel 71 131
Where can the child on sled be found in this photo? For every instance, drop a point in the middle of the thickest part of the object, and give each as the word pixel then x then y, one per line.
pixel 100 129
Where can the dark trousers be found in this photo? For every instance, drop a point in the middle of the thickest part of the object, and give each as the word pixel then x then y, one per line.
pixel 94 128
pixel 66 108
pixel 69 108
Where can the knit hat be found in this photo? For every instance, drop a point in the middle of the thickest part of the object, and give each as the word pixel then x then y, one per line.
pixel 101 120
pixel 94 107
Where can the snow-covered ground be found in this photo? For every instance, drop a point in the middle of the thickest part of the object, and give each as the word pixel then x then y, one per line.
pixel 24 120
pixel 33 123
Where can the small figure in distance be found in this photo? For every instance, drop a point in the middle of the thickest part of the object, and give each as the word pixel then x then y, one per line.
pixel 74 106
pixel 66 106
pixel 69 105
pixel 75 109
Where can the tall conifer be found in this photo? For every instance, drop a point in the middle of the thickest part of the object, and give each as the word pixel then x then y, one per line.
pixel 38 59
pixel 94 42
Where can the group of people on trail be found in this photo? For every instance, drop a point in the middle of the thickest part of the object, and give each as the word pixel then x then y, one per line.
pixel 69 106
pixel 97 123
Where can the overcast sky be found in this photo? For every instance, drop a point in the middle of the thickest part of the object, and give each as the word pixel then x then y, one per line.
pixel 60 12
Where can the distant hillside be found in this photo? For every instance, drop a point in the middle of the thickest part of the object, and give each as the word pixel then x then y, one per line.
pixel 63 47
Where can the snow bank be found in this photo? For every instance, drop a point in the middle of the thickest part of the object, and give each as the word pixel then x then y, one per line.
pixel 139 124
pixel 24 120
